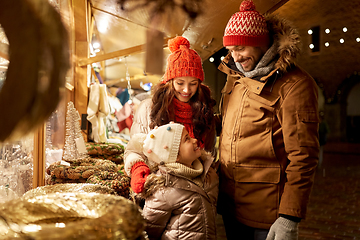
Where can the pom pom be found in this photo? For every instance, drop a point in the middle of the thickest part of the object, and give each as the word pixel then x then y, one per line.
pixel 168 128
pixel 175 43
pixel 247 5
pixel 152 136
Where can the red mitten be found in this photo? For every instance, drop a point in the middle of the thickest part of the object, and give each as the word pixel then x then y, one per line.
pixel 139 173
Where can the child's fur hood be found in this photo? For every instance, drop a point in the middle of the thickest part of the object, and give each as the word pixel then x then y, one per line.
pixel 156 180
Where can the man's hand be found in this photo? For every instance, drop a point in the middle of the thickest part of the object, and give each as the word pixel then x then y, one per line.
pixel 139 173
pixel 283 229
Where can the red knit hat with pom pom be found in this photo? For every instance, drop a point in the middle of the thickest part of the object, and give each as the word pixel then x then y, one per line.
pixel 183 61
pixel 246 28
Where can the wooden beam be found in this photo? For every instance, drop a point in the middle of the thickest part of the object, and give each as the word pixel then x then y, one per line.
pixel 276 6
pixel 121 53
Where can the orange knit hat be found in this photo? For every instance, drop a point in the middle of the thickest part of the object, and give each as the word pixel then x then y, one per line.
pixel 182 61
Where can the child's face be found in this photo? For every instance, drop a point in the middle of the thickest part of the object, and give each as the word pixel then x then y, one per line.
pixel 188 150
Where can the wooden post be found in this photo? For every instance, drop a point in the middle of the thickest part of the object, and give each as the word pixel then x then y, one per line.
pixel 39 157
pixel 81 27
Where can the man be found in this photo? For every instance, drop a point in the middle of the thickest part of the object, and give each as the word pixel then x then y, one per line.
pixel 269 140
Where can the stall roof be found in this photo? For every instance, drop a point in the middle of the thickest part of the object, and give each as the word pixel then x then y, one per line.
pixel 121 32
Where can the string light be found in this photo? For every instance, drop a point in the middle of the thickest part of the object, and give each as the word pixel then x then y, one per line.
pixel 96 45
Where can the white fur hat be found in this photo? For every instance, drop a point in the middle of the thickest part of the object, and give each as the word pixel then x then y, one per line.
pixel 162 143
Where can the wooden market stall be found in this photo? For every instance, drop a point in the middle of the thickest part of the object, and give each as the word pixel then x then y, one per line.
pixel 77 51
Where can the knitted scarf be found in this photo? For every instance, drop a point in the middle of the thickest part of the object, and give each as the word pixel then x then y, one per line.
pixel 265 65
pixel 193 173
pixel 183 115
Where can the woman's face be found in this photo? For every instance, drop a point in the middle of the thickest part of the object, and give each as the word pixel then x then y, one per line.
pixel 188 150
pixel 185 87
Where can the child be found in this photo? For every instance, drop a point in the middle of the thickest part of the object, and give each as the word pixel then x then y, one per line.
pixel 180 198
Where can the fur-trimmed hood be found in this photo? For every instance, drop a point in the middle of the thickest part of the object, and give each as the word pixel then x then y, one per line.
pixel 287 38
pixel 158 178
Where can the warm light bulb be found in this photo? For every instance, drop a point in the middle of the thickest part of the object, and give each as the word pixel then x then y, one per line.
pixel 211 59
pixel 327 31
pixel 310 32
pixel 96 45
pixel 311 46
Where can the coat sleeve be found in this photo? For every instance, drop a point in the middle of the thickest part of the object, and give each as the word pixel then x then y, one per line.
pixel 299 119
pixel 140 125
pixel 211 185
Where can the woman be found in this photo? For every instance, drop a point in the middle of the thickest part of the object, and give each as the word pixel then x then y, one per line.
pixel 180 97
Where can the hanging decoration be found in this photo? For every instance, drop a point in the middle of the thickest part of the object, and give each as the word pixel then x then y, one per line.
pixel 191 7
pixel 127 76
pixel 98 109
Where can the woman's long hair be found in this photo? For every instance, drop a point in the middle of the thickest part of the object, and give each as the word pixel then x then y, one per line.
pixel 201 103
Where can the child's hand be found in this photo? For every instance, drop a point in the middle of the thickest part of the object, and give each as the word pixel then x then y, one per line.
pixel 139 173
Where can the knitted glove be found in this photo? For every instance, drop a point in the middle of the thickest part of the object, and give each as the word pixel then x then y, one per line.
pixel 283 229
pixel 139 172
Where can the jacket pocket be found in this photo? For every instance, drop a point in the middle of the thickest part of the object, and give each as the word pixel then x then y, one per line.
pixel 307 128
pixel 257 173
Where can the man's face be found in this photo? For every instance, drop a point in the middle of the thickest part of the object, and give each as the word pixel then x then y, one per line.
pixel 247 56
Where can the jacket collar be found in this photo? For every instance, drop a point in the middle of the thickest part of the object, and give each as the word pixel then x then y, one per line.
pixel 237 77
